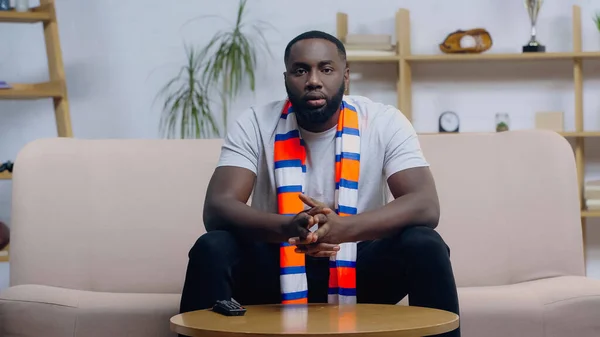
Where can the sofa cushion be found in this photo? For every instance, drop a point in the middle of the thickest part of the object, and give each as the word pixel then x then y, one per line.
pixel 560 306
pixel 34 310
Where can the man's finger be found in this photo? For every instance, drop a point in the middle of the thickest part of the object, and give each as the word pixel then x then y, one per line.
pixel 305 235
pixel 305 220
pixel 318 247
pixel 314 210
pixel 310 238
pixel 310 201
pixel 327 211
pixel 322 254
pixel 307 200
pixel 319 218
pixel 321 231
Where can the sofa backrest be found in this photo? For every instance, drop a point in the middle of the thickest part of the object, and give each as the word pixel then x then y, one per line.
pixel 509 205
pixel 121 215
pixel 108 215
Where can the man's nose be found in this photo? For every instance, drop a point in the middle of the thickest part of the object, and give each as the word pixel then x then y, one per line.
pixel 314 81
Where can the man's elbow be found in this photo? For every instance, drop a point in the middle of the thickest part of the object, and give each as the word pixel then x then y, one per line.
pixel 211 216
pixel 430 212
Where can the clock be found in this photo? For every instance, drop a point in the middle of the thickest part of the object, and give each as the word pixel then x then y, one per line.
pixel 448 122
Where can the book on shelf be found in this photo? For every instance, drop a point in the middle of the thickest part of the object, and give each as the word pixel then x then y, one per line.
pixel 591 194
pixel 368 39
pixel 369 42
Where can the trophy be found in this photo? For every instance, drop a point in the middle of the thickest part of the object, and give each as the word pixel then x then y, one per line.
pixel 533 8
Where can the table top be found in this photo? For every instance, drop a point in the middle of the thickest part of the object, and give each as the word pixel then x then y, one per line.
pixel 315 320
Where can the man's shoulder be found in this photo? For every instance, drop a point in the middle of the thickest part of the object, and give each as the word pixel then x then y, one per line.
pixel 365 104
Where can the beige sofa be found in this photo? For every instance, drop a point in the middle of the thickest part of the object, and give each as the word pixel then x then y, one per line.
pixel 101 231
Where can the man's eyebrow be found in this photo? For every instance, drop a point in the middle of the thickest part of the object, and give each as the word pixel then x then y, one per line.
pixel 304 64
pixel 300 64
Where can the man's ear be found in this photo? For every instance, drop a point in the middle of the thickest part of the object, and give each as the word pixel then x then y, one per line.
pixel 347 76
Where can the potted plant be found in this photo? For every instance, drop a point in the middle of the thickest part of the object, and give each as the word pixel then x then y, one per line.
pixel 218 69
pixel 597 20
pixel 186 110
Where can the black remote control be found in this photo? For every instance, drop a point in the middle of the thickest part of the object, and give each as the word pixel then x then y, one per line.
pixel 229 308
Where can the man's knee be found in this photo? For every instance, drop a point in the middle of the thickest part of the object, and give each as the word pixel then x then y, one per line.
pixel 213 244
pixel 422 241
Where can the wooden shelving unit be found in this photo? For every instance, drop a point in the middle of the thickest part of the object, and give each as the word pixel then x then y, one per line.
pixel 37 14
pixel 55 88
pixel 405 59
pixel 33 91
pixel 4 254
pixel 503 57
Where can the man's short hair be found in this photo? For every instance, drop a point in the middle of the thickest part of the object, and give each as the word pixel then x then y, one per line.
pixel 315 34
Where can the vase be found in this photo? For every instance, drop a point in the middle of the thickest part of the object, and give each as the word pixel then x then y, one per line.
pixel 502 122
pixel 22 5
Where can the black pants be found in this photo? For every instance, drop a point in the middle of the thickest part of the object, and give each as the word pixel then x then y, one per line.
pixel 414 262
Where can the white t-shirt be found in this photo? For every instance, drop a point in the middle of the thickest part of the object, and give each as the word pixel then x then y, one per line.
pixel 389 144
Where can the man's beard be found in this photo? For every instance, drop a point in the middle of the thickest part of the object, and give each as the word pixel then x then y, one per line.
pixel 305 113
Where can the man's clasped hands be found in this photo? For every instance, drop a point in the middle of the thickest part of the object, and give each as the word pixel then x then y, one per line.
pixel 323 242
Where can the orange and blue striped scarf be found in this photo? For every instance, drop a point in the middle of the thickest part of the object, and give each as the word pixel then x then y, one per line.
pixel 290 171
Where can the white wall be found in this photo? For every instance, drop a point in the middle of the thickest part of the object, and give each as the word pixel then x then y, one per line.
pixel 118 54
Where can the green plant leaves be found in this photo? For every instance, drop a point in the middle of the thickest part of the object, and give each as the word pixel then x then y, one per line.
pixel 186 110
pixel 218 69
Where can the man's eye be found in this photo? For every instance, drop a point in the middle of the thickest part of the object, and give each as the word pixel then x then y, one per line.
pixel 327 70
pixel 300 71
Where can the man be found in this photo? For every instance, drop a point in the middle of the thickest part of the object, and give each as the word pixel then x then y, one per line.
pixel 319 228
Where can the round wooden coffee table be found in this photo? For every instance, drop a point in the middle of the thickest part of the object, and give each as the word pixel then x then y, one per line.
pixel 318 320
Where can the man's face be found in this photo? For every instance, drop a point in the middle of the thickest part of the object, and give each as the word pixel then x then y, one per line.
pixel 315 80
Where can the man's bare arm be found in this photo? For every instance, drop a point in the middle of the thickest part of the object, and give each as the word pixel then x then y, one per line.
pixel 225 207
pixel 416 203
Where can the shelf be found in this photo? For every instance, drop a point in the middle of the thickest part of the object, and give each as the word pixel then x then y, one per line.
pixel 36 14
pixel 5 175
pixel 581 134
pixel 503 57
pixel 590 214
pixel 374 56
pixel 4 254
pixel 33 91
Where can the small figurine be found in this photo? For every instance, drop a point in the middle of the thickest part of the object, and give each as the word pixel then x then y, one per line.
pixel 8 166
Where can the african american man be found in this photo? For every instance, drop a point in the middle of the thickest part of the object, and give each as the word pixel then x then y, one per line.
pixel 320 228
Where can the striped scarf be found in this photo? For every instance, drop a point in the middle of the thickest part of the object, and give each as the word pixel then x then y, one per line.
pixel 290 170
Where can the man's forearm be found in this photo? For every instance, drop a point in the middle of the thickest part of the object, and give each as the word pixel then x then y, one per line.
pixel 238 217
pixel 410 209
